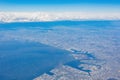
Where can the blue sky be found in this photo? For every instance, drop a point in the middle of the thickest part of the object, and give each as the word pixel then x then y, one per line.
pixel 60 5
pixel 21 2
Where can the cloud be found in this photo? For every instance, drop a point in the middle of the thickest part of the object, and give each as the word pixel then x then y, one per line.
pixel 53 16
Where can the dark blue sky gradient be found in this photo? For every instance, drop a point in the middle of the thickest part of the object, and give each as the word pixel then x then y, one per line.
pixel 33 2
pixel 65 5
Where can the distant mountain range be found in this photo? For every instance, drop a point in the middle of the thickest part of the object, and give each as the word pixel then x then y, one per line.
pixel 53 16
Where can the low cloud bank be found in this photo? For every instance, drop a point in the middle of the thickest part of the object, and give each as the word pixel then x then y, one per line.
pixel 53 16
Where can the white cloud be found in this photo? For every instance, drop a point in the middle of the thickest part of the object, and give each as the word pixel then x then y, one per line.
pixel 52 16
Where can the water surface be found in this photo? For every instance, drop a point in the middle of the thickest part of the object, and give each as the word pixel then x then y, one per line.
pixel 27 60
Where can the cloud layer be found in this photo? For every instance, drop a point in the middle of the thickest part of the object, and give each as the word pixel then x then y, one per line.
pixel 53 16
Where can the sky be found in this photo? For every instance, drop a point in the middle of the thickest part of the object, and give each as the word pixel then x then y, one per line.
pixel 61 5
pixel 49 2
pixel 75 9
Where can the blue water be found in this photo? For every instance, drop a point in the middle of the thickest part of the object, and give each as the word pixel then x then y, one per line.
pixel 88 24
pixel 27 60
